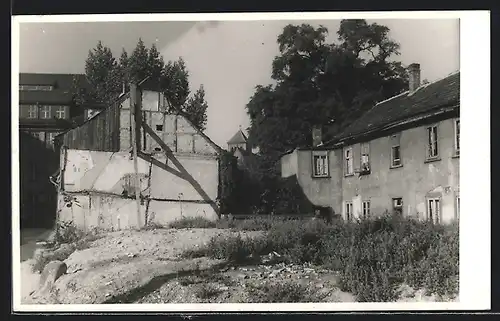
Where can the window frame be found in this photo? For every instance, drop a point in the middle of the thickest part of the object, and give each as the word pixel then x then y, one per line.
pixel 320 155
pixel 456 126
pixel 365 167
pixel 400 163
pixel 429 143
pixel 348 210
pixel 394 199
pixel 32 109
pixel 366 209
pixel 61 109
pixel 42 111
pixel 435 219
pixel 347 160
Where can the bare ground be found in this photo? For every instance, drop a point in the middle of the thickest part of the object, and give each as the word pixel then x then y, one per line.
pixel 145 267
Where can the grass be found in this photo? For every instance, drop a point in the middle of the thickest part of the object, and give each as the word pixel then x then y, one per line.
pixel 373 257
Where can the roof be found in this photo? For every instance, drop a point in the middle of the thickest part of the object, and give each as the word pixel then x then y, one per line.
pixel 426 99
pixel 61 94
pixel 238 138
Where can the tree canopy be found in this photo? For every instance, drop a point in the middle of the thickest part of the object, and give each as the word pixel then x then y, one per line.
pixel 321 83
pixel 108 77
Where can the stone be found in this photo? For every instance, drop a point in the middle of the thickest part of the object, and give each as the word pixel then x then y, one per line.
pixel 51 273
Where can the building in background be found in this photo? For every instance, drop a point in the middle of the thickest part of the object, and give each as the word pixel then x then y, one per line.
pixel 46 108
pixel 401 156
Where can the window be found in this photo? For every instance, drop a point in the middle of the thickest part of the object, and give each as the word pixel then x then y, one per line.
pixel 349 170
pixel 396 156
pixel 320 162
pixel 159 128
pixel 50 138
pixel 348 211
pixel 32 111
pixel 397 206
pixel 61 112
pixel 45 112
pixel 434 210
pixel 432 147
pixel 396 150
pixel 457 136
pixel 365 158
pixel 366 209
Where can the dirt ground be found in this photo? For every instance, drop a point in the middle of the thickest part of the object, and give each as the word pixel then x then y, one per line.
pixel 145 267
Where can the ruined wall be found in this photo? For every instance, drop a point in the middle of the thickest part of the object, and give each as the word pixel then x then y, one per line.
pixel 414 181
pixel 103 185
pixel 174 130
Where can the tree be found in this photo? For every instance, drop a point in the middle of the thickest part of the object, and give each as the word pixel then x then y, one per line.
pixel 103 76
pixel 139 66
pixel 196 109
pixel 320 83
pixel 175 83
pixel 106 76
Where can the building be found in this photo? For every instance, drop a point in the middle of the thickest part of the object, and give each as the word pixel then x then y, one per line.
pixel 177 167
pixel 401 156
pixel 46 108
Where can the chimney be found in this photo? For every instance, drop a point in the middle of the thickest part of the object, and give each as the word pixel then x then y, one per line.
pixel 414 71
pixel 317 134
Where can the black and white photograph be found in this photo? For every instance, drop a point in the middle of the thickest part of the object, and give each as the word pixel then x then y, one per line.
pixel 219 161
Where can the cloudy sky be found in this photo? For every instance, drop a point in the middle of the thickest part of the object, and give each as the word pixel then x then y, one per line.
pixel 228 57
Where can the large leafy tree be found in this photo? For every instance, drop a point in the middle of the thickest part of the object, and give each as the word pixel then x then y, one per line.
pixel 196 109
pixel 320 83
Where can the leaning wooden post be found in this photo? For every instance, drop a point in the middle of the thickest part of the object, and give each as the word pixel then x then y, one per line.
pixel 134 109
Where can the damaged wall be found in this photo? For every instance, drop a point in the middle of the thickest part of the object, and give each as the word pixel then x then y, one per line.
pixel 102 183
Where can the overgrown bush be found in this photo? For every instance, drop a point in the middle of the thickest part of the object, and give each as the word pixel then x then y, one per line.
pixel 372 256
pixel 192 222
pixel 67 232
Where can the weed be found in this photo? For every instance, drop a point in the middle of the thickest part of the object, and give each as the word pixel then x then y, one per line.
pixel 192 222
pixel 207 291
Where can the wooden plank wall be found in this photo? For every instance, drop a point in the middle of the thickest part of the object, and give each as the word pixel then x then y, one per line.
pixel 100 133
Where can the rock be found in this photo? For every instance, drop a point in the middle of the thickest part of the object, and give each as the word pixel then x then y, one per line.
pixel 51 273
pixel 242 276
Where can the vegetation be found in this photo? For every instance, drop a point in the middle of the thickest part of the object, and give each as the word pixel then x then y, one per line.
pixel 315 83
pixel 373 257
pixel 68 240
pixel 107 75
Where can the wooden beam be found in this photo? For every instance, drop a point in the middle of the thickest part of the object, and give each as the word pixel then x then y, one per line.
pixel 135 115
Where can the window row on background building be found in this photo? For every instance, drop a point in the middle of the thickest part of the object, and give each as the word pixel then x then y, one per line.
pixel 36 87
pixel 433 209
pixel 44 111
pixel 320 158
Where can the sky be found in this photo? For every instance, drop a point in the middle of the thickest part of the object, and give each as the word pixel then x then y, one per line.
pixel 228 57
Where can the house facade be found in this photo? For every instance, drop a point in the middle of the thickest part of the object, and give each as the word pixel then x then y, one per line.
pixel 46 108
pixel 401 156
pixel 176 174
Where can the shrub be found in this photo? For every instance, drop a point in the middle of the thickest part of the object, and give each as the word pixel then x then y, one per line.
pixel 192 222
pixel 67 232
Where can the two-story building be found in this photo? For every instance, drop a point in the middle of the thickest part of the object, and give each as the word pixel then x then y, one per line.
pixel 401 156
pixel 46 108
